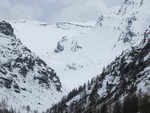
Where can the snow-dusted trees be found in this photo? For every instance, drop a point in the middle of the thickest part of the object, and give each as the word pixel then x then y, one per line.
pixel 133 103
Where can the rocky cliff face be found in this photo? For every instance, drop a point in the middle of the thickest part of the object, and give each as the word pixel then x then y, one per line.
pixel 25 79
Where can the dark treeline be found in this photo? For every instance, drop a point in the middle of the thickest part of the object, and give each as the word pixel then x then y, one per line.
pixel 133 103
pixel 5 111
pixel 82 90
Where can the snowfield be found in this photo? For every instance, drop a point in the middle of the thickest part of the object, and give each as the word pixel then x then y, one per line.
pixel 86 46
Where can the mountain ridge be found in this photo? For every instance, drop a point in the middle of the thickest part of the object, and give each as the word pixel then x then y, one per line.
pixel 23 75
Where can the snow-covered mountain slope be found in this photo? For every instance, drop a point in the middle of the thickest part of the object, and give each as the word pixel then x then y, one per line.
pixel 129 73
pixel 46 36
pixel 125 34
pixel 25 79
pixel 78 51
pixel 57 45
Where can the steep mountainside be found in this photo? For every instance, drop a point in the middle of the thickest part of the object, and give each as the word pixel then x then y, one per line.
pixel 125 34
pixel 25 79
pixel 128 73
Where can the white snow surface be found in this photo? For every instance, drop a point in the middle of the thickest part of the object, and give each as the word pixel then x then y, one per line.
pixel 88 46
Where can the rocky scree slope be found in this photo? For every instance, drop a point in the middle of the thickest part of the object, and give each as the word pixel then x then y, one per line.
pixel 25 79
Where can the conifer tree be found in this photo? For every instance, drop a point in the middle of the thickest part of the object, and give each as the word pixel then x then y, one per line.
pixel 117 108
pixel 145 108
pixel 104 108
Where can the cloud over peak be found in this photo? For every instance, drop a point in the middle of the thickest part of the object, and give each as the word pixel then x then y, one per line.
pixel 55 10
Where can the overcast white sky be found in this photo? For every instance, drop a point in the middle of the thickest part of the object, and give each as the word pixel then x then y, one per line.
pixel 55 10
